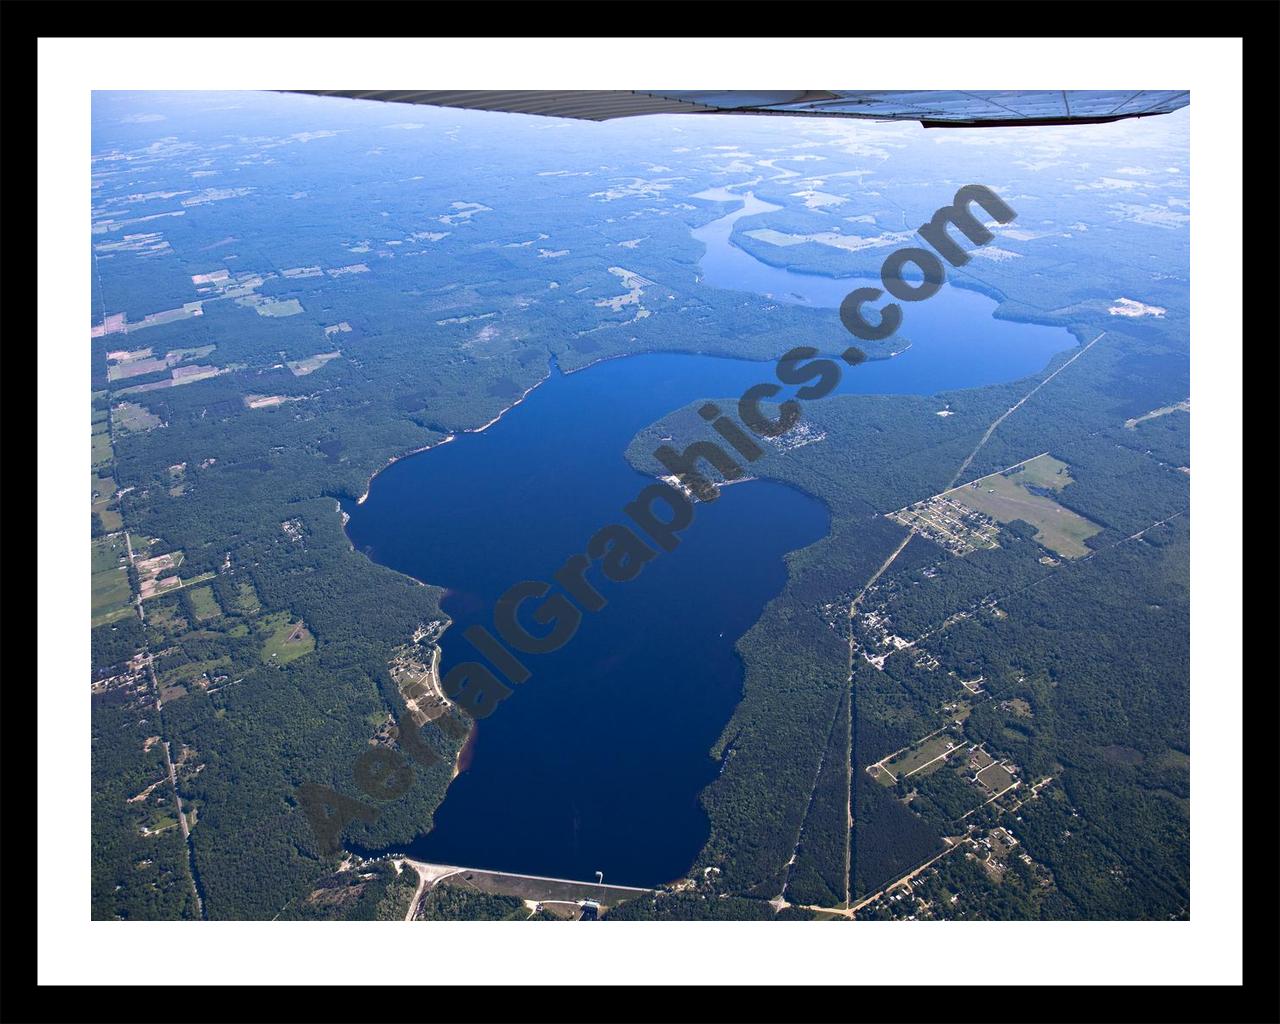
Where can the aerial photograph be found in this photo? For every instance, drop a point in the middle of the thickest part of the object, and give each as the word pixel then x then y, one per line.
pixel 639 506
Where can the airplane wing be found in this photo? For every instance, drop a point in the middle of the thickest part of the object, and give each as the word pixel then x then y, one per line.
pixel 933 109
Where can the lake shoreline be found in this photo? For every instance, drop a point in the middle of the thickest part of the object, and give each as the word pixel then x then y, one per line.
pixel 446 439
pixel 459 824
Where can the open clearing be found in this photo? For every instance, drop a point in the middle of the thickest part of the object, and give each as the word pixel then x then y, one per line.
pixel 286 639
pixel 280 307
pixel 922 757
pixel 104 488
pixel 995 778
pixel 926 753
pixel 130 416
pixel 265 401
pixel 195 673
pixel 247 599
pixel 302 367
pixel 178 376
pixel 1164 410
pixel 1021 494
pixel 110 518
pixel 135 367
pixel 532 888
pixel 204 603
pixel 100 452
pixel 561 891
pixel 109 584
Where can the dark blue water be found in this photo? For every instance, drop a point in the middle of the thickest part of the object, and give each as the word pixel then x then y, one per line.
pixel 949 341
pixel 596 762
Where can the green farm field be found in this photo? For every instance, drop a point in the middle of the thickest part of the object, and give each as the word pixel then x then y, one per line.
pixel 286 639
pixel 110 581
pixel 995 779
pixel 204 603
pixel 100 452
pixel 929 753
pixel 1007 498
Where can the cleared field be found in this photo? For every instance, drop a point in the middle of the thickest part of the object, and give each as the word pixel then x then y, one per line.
pixel 247 598
pixel 302 367
pixel 995 779
pixel 194 672
pixel 537 888
pixel 168 316
pixel 108 553
pixel 1018 706
pixel 263 401
pixel 109 584
pixel 191 374
pixel 104 488
pixel 179 354
pixel 286 639
pixel 924 757
pixel 100 452
pixel 178 376
pixel 980 759
pixel 1019 494
pixel 1042 471
pixel 159 824
pixel 110 598
pixel 166 617
pixel 204 603
pixel 281 307
pixel 159 586
pixel 111 521
pixel 130 416
pixel 127 368
pixel 1165 410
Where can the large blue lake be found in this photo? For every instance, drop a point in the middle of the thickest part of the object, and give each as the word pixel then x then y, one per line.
pixel 596 762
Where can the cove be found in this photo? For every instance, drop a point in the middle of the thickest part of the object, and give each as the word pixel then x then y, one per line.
pixel 955 340
pixel 596 762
